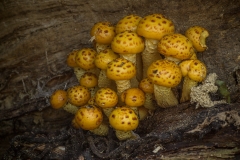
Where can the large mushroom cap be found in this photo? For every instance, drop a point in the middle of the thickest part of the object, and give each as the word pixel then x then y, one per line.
pixel 127 23
pixel 85 58
pixel 155 26
pixel 106 98
pixel 198 37
pixel 176 46
pixel 58 99
pixel 103 32
pixel 123 119
pixel 133 97
pixel 78 95
pixel 127 42
pixel 165 73
pixel 104 57
pixel 89 117
pixel 121 69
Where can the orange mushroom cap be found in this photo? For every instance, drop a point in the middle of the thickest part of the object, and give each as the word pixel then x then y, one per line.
pixel 165 73
pixel 58 99
pixel 89 80
pixel 133 97
pixel 103 32
pixel 155 26
pixel 146 85
pixel 85 58
pixel 123 119
pixel 89 117
pixel 78 95
pixel 106 98
pixel 71 59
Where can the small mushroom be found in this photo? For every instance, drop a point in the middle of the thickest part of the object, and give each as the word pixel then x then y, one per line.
pixel 107 99
pixel 164 74
pixel 78 95
pixel 58 99
pixel 85 60
pixel 90 81
pixel 198 36
pixel 153 27
pixel 133 98
pixel 124 121
pixel 193 71
pixel 90 117
pixel 121 71
pixel 101 61
pixel 147 87
pixel 102 33
pixel 176 47
pixel 71 59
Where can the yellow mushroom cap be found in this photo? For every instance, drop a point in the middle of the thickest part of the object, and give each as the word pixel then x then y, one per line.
pixel 155 26
pixel 106 98
pixel 146 85
pixel 198 37
pixel 85 58
pixel 78 95
pixel 123 119
pixel 88 80
pixel 197 71
pixel 121 69
pixel 104 57
pixel 127 42
pixel 133 97
pixel 185 66
pixel 89 117
pixel 165 73
pixel 58 99
pixel 176 45
pixel 127 23
pixel 103 32
pixel 71 59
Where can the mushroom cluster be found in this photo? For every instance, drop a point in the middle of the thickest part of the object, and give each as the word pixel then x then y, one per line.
pixel 130 66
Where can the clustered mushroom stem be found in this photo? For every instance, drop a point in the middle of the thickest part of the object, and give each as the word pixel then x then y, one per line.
pixel 78 72
pixel 177 61
pixel 107 111
pixel 104 81
pixel 70 108
pixel 186 89
pixel 122 85
pixel 102 130
pixel 101 47
pixel 150 54
pixel 149 101
pixel 124 135
pixel 202 38
pixel 130 57
pixel 164 96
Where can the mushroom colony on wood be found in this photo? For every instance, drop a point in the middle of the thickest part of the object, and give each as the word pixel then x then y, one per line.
pixel 130 66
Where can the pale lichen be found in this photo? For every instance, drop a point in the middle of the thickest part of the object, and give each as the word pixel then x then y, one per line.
pixel 200 94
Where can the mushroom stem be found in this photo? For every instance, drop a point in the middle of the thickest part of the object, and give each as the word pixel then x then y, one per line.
pixel 150 54
pixel 70 108
pixel 102 130
pixel 164 96
pixel 149 101
pixel 101 47
pixel 130 57
pixel 202 38
pixel 78 72
pixel 186 89
pixel 122 85
pixel 107 111
pixel 124 135
pixel 177 61
pixel 104 81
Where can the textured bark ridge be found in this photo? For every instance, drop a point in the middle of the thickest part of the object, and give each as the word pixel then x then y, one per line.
pixel 35 39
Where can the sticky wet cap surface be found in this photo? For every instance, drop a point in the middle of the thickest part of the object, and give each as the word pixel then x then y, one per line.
pixel 78 95
pixel 106 98
pixel 89 117
pixel 155 26
pixel 127 23
pixel 176 45
pixel 89 80
pixel 123 119
pixel 71 59
pixel 127 43
pixel 85 58
pixel 146 85
pixel 121 69
pixel 165 73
